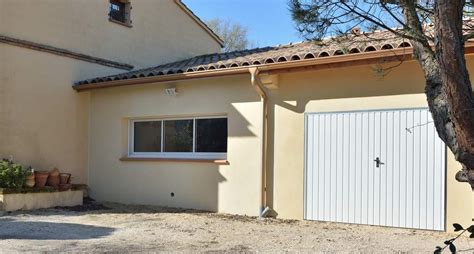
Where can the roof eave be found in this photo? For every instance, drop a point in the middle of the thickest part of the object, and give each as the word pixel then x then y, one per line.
pixel 162 78
pixel 329 62
pixel 364 58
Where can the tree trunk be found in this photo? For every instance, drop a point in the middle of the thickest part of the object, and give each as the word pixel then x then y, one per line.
pixel 452 103
pixel 448 88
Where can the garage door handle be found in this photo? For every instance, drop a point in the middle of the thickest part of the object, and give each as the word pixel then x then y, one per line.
pixel 378 162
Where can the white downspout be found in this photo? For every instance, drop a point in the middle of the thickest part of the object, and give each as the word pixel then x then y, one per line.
pixel 257 84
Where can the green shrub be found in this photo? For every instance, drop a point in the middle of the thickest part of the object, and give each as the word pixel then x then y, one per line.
pixel 12 175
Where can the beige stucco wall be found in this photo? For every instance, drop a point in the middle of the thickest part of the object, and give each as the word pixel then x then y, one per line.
pixel 343 89
pixel 33 201
pixel 43 121
pixel 161 31
pixel 233 188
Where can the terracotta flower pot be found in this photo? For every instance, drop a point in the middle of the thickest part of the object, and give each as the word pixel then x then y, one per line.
pixel 30 181
pixel 40 178
pixel 54 172
pixel 53 181
pixel 65 178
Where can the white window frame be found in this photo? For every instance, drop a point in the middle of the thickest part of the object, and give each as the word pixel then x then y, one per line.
pixel 171 155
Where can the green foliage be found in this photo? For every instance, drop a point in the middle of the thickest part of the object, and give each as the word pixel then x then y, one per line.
pixel 234 35
pixel 450 243
pixel 12 175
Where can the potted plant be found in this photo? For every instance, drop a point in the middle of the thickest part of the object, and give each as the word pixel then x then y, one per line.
pixel 65 178
pixel 53 178
pixel 12 175
pixel 65 182
pixel 40 178
pixel 30 178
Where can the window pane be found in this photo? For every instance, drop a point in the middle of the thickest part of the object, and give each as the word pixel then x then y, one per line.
pixel 115 7
pixel 211 135
pixel 117 11
pixel 178 136
pixel 147 136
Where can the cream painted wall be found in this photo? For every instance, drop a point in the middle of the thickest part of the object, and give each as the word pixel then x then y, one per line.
pixel 343 89
pixel 233 188
pixel 43 121
pixel 161 31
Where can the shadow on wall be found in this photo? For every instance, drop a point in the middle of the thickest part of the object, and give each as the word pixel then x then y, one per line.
pixel 176 184
pixel 188 185
pixel 39 230
pixel 238 125
pixel 333 87
pixel 297 89
pixel 179 184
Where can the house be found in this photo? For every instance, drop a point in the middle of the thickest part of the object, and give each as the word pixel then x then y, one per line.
pixel 312 131
pixel 43 122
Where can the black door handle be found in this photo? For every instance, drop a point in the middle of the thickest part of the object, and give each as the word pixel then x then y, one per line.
pixel 378 162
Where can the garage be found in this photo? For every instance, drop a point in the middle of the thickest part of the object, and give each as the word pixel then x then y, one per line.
pixel 380 167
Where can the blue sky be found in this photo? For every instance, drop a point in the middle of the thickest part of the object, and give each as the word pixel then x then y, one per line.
pixel 268 21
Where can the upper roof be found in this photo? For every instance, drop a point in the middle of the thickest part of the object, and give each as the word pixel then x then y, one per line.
pixel 293 52
pixel 201 23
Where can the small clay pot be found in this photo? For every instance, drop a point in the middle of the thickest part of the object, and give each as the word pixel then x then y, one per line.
pixel 53 181
pixel 65 178
pixel 40 178
pixel 30 181
pixel 54 172
pixel 65 186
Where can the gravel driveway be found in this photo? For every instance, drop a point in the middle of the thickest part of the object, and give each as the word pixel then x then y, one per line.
pixel 122 228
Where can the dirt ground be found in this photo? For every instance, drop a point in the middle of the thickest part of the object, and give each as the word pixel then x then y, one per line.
pixel 122 228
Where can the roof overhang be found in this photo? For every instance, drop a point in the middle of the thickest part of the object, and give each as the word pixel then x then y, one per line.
pixel 199 22
pixel 365 58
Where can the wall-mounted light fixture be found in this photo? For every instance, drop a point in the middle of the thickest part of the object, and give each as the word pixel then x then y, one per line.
pixel 171 91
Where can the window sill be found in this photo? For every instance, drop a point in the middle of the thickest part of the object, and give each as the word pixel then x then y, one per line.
pixel 120 23
pixel 219 162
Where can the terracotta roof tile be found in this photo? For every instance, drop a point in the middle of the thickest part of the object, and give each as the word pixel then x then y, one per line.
pixel 352 44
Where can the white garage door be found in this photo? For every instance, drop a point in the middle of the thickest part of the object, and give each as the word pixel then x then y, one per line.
pixel 375 167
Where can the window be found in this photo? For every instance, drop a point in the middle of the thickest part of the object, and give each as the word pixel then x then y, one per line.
pixel 200 137
pixel 119 12
pixel 147 137
pixel 178 136
pixel 211 135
